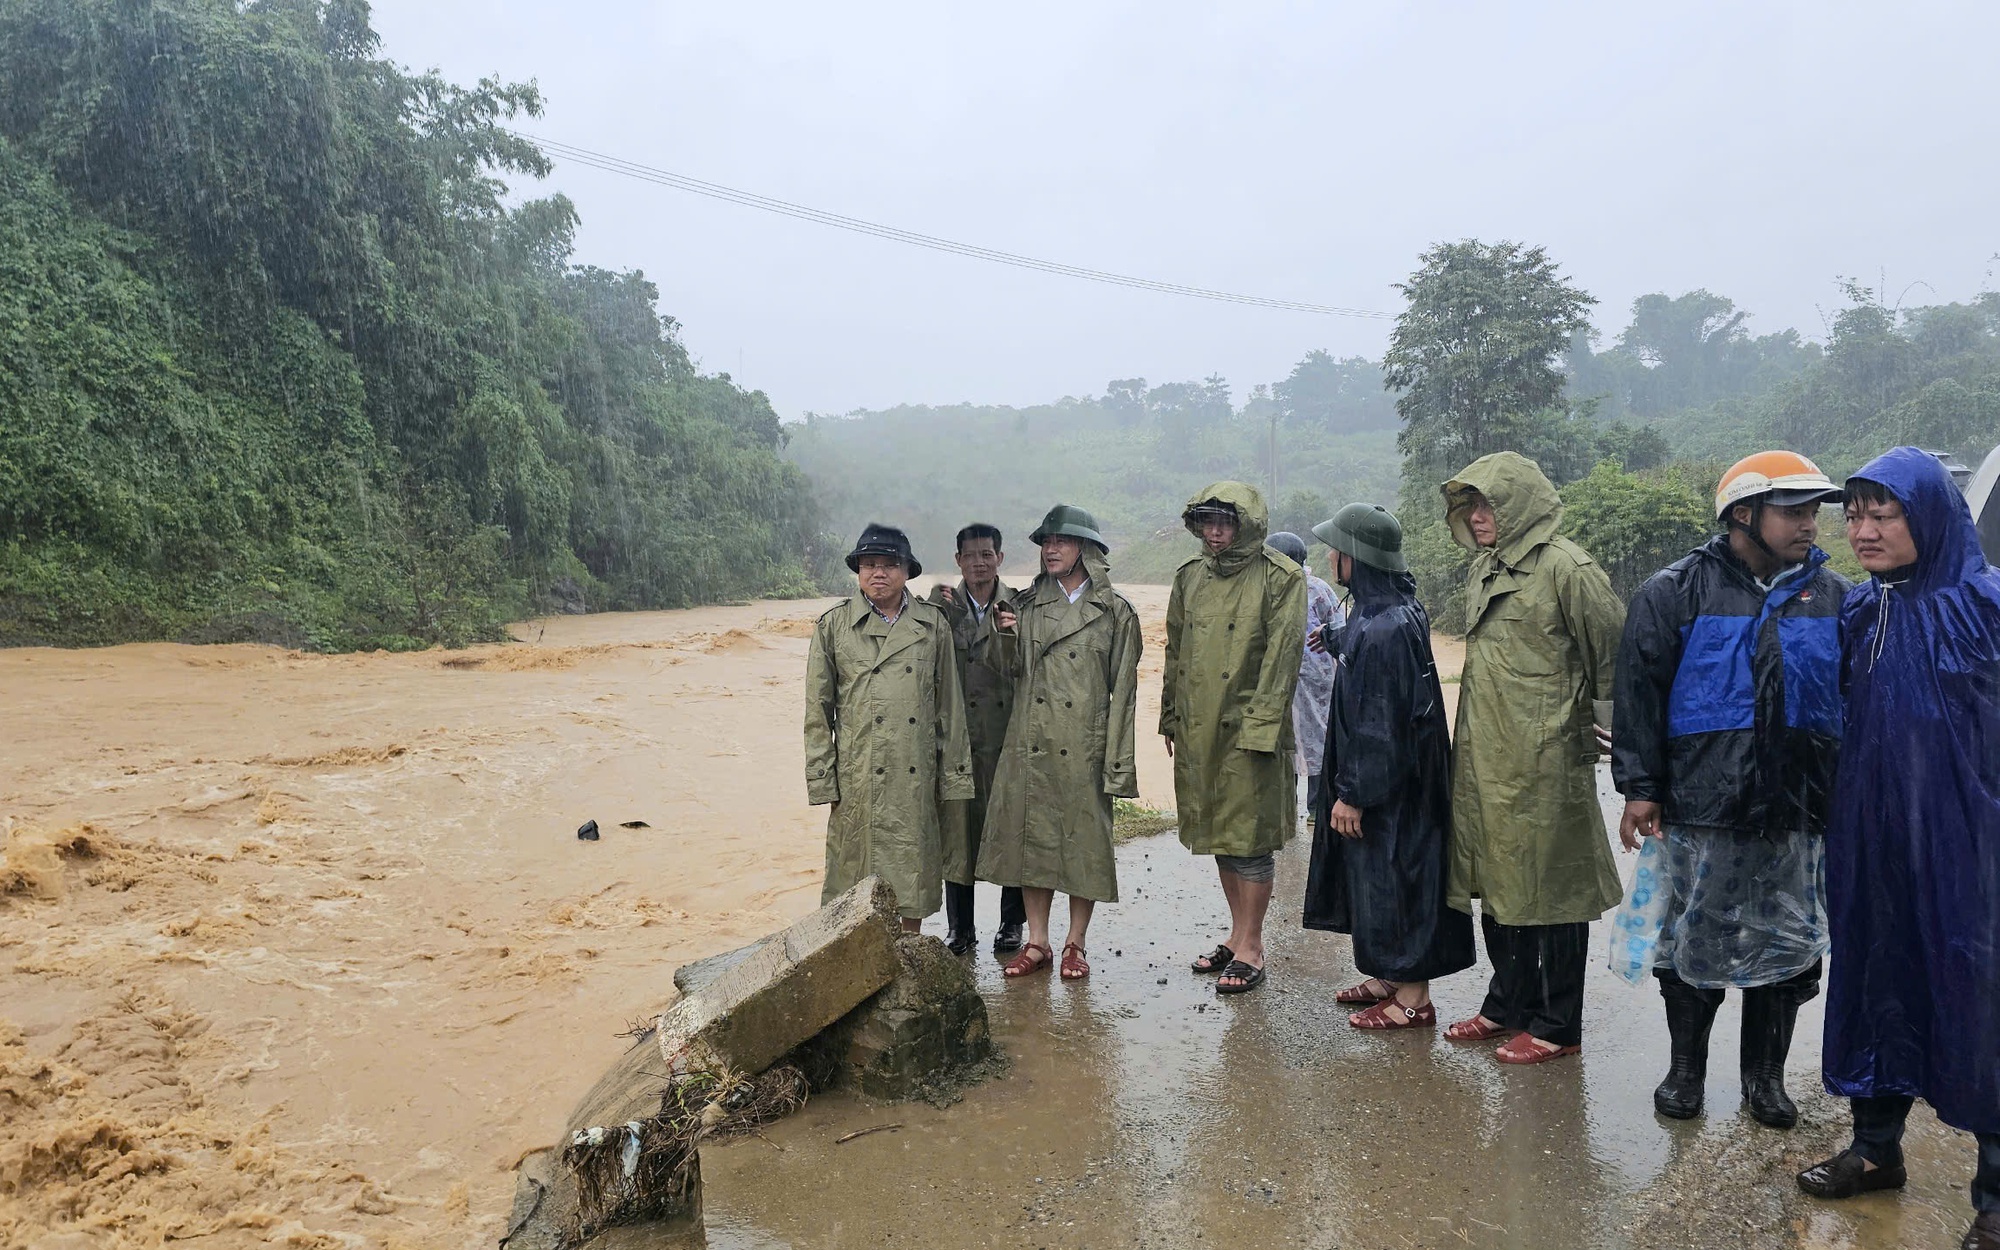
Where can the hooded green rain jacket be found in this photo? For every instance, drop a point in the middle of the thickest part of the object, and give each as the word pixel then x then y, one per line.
pixel 1528 838
pixel 1236 626
pixel 885 744
pixel 1074 668
pixel 989 698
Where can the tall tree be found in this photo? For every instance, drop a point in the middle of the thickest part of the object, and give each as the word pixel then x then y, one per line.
pixel 1334 395
pixel 1474 353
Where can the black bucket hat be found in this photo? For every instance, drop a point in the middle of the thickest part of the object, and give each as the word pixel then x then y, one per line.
pixel 883 540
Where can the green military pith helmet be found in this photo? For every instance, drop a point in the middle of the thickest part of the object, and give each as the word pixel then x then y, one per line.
pixel 1369 532
pixel 1071 522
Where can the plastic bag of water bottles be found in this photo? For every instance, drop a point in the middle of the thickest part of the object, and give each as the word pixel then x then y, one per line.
pixel 1635 926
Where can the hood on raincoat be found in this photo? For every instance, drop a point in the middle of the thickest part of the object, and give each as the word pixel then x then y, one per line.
pixel 1526 509
pixel 1253 522
pixel 1940 521
pixel 1369 584
pixel 1096 566
pixel 1913 1001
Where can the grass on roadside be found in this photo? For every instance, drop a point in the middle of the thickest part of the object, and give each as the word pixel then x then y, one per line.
pixel 1131 819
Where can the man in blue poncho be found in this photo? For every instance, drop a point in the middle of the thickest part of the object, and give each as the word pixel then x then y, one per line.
pixel 1913 848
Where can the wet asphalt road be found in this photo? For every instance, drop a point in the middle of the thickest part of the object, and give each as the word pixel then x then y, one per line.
pixel 1140 1110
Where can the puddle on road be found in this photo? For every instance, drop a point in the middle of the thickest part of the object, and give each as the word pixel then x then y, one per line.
pixel 1142 1111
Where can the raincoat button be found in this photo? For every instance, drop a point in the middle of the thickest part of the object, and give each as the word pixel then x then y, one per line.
pixel 1067 703
pixel 913 768
pixel 1064 751
pixel 913 720
pixel 1072 655
pixel 879 772
pixel 878 720
pixel 908 668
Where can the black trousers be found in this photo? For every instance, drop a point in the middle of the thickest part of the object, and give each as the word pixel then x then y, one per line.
pixel 1878 1138
pixel 1537 978
pixel 958 905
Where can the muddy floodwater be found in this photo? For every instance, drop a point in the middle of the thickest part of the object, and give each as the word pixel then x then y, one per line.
pixel 303 951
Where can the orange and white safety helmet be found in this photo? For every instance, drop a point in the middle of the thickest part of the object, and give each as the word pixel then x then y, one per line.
pixel 1783 478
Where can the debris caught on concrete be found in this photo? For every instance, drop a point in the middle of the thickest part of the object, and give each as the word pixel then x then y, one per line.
pixel 842 997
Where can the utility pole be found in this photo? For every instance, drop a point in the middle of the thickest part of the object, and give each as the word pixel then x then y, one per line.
pixel 1274 458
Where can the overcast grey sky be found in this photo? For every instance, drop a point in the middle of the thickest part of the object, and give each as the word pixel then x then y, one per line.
pixel 1302 151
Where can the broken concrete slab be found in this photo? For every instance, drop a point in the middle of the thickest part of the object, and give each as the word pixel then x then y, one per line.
pixel 752 1010
pixel 771 996
pixel 924 1030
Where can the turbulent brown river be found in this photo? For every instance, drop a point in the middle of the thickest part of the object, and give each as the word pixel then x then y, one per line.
pixel 303 950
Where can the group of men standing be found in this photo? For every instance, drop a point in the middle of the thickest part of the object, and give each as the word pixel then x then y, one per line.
pixel 1820 764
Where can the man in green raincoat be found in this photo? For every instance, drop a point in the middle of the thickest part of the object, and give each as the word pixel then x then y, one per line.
pixel 1236 626
pixel 1070 645
pixel 885 729
pixel 989 698
pixel 1528 838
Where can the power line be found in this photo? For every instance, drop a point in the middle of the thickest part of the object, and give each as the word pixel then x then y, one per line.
pixel 785 208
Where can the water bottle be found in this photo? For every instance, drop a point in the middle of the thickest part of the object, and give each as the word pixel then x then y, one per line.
pixel 1635 926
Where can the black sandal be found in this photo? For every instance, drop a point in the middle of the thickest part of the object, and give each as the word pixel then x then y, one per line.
pixel 1246 978
pixel 1848 1174
pixel 1218 959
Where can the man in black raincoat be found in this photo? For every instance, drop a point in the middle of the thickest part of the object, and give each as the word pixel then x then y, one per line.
pixel 1382 827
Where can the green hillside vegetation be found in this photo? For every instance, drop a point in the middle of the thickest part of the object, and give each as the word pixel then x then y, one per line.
pixel 278 362
pixel 1494 352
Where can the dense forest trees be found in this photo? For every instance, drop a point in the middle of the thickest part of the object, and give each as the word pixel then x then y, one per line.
pixel 1493 353
pixel 1508 364
pixel 281 359
pixel 280 362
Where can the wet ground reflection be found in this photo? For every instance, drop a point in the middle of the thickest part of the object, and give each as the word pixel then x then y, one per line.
pixel 1142 1111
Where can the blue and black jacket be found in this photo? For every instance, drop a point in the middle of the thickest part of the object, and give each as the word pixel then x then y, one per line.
pixel 1728 695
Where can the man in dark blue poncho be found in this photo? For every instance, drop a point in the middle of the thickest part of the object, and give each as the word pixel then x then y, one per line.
pixel 1913 849
pixel 1382 824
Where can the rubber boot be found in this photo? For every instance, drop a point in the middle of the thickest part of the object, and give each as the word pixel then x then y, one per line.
pixel 1690 1015
pixel 1769 1011
pixel 959 935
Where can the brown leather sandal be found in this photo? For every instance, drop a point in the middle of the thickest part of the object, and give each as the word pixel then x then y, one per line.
pixel 1073 966
pixel 1362 995
pixel 1390 1014
pixel 1472 1030
pixel 1526 1049
pixel 1025 963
